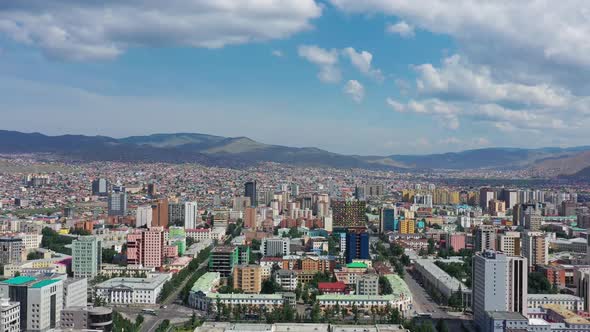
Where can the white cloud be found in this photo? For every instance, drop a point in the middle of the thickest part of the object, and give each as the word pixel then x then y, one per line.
pixel 458 79
pixel 85 30
pixel 362 61
pixel 325 59
pixel 277 53
pixel 401 28
pixel 355 90
pixel 395 105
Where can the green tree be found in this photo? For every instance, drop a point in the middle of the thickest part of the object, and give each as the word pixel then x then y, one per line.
pixel 315 313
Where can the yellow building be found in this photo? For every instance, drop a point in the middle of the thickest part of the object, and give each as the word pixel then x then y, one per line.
pixel 407 226
pixel 247 278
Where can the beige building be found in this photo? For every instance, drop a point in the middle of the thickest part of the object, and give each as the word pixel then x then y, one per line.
pixel 535 248
pixel 509 243
pixel 247 278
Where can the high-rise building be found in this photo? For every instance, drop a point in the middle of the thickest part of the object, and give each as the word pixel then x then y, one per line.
pixel 407 226
pixel 533 222
pixel 117 203
pixel 222 259
pixel 152 190
pixel 75 292
pixel 160 213
pixel 535 248
pixel 240 203
pixel 146 247
pixel 348 213
pixel 250 219
pixel 294 190
pixel 275 247
pixel 510 196
pixel 176 213
pixel 247 278
pixel 499 284
pixel 12 250
pixel 9 315
pixel 86 256
pixel 582 283
pixel 143 216
pixel 497 208
pixel 485 196
pixel 357 245
pixel 423 200
pixel 509 243
pixel 191 214
pixel 250 191
pixel 520 211
pixel 41 301
pixel 388 219
pixel 100 187
pixel 485 238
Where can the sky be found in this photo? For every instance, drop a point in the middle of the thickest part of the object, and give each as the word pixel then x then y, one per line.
pixel 371 77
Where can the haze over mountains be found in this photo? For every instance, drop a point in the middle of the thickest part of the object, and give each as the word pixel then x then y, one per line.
pixel 243 151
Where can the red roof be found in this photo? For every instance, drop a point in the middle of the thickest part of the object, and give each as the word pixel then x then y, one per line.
pixel 332 285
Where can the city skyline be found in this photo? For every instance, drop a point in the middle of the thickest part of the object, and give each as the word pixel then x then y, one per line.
pixel 305 73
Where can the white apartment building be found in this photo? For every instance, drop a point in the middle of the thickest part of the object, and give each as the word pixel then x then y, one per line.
pixel 9 316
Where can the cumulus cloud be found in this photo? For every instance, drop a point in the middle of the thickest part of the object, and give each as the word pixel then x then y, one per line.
pixel 277 53
pixel 86 30
pixel 325 59
pixel 401 28
pixel 395 105
pixel 458 79
pixel 362 61
pixel 355 90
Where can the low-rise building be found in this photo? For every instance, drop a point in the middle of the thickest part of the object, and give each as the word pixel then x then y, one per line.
pixel 567 301
pixel 87 318
pixel 132 290
pixel 287 279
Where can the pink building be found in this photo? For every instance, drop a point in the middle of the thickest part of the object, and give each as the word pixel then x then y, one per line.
pixel 146 248
pixel 456 241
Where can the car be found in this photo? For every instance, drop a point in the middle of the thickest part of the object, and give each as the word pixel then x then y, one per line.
pixel 163 306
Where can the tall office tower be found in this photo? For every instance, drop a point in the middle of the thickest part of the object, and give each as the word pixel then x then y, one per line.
pixel 499 284
pixel 510 196
pixel 250 220
pixel 12 250
pixel 100 187
pixel 9 315
pixel 250 191
pixel 191 214
pixel 294 190
pixel 86 257
pixel 388 219
pixel 582 283
pixel 509 243
pixel 143 216
pixel 265 197
pixel 357 245
pixel 247 278
pixel 152 190
pixel 485 238
pixel 240 203
pixel 275 246
pixel 535 248
pixel 176 213
pixel 533 222
pixel 160 213
pixel 485 196
pixel 118 201
pixel 348 213
pixel 41 301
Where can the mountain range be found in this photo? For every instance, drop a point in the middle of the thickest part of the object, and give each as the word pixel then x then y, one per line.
pixel 243 151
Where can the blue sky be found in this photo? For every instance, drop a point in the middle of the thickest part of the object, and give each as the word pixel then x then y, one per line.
pixel 369 77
